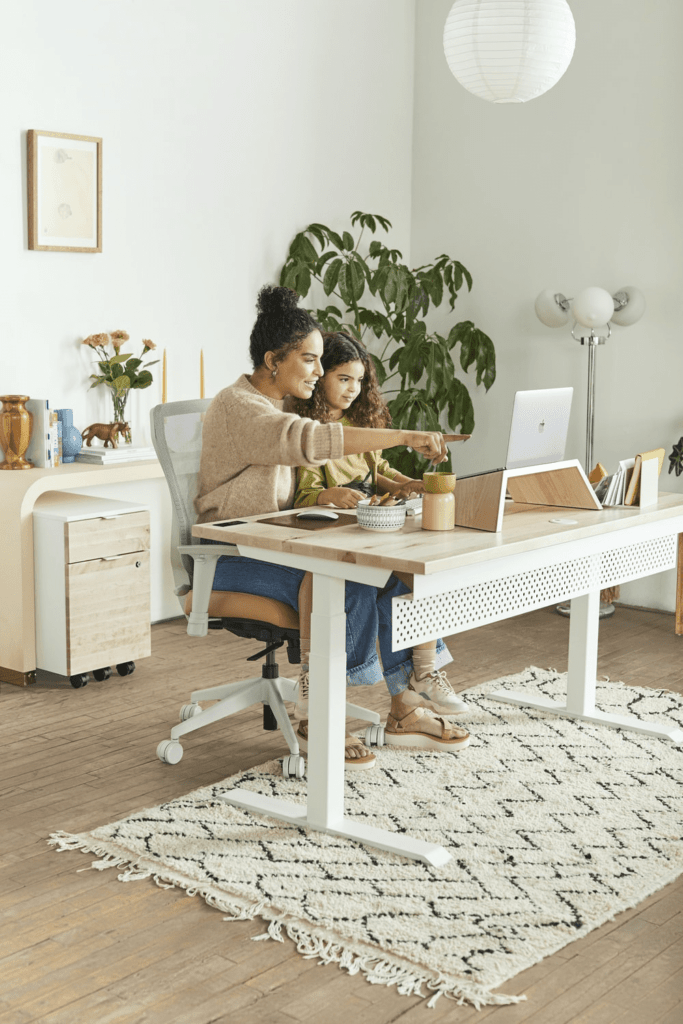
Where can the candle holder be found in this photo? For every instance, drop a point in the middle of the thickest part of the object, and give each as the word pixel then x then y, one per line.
pixel 15 431
pixel 438 503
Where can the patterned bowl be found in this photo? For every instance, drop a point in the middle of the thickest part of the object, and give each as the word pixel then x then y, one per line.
pixel 387 519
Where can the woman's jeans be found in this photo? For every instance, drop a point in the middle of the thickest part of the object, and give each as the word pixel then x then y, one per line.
pixel 368 617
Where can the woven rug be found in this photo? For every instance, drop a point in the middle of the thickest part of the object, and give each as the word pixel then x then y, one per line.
pixel 555 826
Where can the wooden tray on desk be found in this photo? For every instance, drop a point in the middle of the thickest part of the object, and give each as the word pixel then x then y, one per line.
pixel 292 522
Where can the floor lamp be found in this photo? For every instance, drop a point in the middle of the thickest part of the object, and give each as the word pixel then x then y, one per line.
pixel 593 311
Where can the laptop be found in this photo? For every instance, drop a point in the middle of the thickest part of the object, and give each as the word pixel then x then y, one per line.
pixel 538 432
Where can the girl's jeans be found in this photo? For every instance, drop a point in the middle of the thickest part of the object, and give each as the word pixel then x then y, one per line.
pixel 368 617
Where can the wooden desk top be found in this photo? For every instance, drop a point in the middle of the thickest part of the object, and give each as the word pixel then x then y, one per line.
pixel 415 550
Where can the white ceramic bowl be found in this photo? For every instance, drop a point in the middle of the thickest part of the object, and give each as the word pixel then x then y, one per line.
pixel 386 519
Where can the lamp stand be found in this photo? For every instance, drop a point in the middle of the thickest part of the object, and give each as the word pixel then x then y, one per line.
pixel 606 607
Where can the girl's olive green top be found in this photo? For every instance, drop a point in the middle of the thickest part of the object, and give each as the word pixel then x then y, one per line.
pixel 311 480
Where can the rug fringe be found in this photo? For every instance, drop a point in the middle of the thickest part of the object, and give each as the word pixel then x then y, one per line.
pixel 376 970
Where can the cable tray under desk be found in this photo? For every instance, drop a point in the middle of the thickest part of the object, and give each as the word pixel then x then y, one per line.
pixel 477 603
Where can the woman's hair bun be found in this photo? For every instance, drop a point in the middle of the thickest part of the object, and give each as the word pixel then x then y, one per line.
pixel 274 301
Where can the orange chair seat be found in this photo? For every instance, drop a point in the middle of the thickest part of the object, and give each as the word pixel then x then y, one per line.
pixel 224 604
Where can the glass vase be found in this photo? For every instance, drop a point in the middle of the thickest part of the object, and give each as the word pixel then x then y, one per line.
pixel 119 399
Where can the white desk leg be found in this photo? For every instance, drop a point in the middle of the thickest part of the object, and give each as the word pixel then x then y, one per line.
pixel 327 727
pixel 327 704
pixel 581 678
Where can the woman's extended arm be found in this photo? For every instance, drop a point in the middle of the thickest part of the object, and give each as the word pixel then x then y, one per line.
pixel 429 444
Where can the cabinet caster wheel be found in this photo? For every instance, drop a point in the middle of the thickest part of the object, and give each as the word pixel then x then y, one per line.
pixel 374 736
pixel 100 674
pixel 169 751
pixel 79 680
pixel 189 711
pixel 126 668
pixel 294 766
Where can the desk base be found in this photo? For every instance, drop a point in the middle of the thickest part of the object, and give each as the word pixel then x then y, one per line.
pixel 596 717
pixel 11 675
pixel 296 814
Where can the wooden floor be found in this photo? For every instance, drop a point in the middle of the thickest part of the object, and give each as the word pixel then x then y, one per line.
pixel 78 947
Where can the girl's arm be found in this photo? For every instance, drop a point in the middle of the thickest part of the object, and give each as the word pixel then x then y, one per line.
pixel 399 485
pixel 312 489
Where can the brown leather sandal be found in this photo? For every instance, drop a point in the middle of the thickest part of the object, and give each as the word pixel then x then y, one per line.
pixel 410 731
pixel 356 754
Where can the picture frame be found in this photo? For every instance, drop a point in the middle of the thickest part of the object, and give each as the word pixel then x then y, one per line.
pixel 64 179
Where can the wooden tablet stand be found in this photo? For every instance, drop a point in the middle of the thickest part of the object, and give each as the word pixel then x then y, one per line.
pixel 480 500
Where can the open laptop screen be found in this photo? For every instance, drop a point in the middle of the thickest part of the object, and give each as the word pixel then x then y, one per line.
pixel 540 422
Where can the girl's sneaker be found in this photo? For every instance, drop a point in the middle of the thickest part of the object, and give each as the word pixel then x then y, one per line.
pixel 438 694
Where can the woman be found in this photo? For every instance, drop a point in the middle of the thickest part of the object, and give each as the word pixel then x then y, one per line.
pixel 249 450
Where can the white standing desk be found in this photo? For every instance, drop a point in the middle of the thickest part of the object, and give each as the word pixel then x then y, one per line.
pixel 462 579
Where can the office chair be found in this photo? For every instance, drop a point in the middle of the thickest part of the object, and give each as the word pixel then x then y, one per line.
pixel 177 439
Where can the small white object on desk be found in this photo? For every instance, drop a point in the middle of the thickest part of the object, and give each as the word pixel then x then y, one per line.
pixel 317 513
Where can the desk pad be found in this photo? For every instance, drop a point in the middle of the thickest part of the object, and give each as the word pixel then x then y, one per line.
pixel 292 522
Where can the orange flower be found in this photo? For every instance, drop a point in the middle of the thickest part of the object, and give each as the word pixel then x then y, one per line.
pixel 119 336
pixel 94 340
pixel 148 345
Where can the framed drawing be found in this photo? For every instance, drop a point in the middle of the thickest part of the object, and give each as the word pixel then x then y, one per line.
pixel 64 192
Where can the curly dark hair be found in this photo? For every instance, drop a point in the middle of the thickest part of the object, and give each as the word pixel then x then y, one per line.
pixel 281 325
pixel 369 409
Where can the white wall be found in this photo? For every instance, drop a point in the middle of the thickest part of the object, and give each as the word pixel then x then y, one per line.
pixel 228 125
pixel 579 187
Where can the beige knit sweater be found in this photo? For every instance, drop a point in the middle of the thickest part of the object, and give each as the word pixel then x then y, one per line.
pixel 250 447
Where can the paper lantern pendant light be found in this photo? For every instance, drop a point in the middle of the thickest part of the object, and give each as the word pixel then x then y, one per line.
pixel 509 51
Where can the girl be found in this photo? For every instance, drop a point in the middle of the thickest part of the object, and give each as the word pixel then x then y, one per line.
pixel 348 393
pixel 250 446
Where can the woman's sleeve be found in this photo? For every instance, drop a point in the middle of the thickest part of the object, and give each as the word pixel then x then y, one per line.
pixel 270 437
pixel 310 481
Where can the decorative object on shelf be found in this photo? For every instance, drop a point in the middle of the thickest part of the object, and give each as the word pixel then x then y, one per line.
pixel 676 458
pixel 15 431
pixel 105 432
pixel 121 372
pixel 438 503
pixel 64 192
pixel 71 435
pixel 428 389
pixel 593 310
pixel 509 51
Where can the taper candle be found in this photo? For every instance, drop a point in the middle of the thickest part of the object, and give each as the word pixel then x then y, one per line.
pixel 163 379
pixel 201 373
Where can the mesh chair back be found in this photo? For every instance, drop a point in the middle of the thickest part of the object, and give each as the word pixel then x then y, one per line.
pixel 177 440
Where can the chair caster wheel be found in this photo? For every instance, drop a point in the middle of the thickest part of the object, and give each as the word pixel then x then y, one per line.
pixel 169 751
pixel 80 680
pixel 374 736
pixel 189 711
pixel 126 668
pixel 100 674
pixel 294 766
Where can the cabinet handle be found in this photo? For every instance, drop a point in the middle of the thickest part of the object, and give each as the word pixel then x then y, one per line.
pixel 110 558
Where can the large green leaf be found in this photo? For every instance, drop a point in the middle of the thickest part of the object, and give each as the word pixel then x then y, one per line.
pixel 332 276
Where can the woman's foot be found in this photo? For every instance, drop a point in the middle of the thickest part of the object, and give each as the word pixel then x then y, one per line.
pixel 356 754
pixel 438 694
pixel 411 724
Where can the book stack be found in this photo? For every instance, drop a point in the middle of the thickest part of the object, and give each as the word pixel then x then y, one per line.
pixel 635 481
pixel 102 456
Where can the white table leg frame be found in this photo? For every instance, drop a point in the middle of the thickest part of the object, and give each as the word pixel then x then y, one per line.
pixel 521 588
pixel 324 810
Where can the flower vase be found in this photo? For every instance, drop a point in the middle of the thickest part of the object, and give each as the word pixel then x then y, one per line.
pixel 438 503
pixel 119 399
pixel 15 431
pixel 71 435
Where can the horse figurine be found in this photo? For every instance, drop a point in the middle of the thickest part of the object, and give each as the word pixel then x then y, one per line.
pixel 105 432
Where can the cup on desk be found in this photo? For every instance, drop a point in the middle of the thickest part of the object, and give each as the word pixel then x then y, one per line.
pixel 438 503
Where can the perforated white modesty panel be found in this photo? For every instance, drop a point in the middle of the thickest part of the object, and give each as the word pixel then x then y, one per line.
pixel 425 618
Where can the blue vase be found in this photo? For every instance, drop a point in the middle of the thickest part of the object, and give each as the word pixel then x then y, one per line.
pixel 71 435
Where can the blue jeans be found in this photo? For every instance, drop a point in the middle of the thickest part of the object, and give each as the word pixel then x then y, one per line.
pixel 368 617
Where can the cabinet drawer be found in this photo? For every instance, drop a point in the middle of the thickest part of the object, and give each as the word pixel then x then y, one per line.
pixel 99 538
pixel 107 611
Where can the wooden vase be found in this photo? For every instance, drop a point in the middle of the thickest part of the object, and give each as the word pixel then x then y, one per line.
pixel 15 431
pixel 438 503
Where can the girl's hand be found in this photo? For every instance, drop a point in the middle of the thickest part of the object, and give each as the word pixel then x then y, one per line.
pixel 411 487
pixel 429 444
pixel 342 497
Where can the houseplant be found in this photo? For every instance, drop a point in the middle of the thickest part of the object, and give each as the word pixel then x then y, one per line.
pixel 120 371
pixel 384 303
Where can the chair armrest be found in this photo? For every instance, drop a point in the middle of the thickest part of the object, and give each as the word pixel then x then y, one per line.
pixel 205 557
